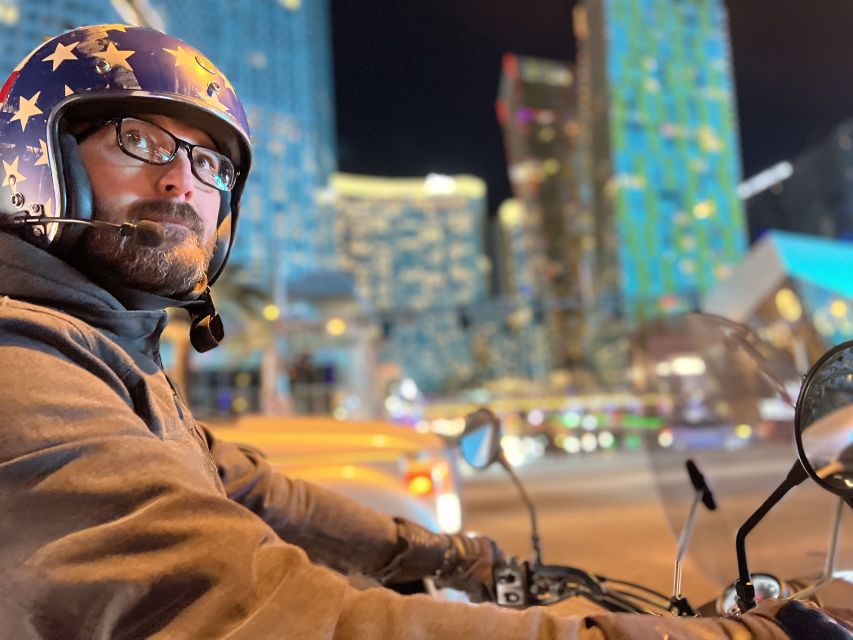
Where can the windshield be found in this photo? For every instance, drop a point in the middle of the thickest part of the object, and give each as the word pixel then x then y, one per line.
pixel 732 414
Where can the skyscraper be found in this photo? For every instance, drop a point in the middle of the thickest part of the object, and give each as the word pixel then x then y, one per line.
pixel 661 162
pixel 538 111
pixel 661 150
pixel 416 249
pixel 24 24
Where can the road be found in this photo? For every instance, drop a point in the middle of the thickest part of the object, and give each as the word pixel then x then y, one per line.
pixel 603 513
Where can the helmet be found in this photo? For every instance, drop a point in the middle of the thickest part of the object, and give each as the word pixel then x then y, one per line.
pixel 103 71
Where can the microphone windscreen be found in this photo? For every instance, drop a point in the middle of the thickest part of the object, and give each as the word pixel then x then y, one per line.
pixel 149 233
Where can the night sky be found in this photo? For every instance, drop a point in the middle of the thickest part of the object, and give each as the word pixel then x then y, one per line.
pixel 416 80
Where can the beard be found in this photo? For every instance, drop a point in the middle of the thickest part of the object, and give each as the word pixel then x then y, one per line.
pixel 174 267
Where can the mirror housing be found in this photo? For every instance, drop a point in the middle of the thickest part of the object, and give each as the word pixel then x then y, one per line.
pixel 823 422
pixel 480 442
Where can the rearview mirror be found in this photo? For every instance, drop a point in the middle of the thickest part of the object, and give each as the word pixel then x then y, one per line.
pixel 824 421
pixel 480 442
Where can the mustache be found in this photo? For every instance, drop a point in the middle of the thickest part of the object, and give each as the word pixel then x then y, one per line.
pixel 157 210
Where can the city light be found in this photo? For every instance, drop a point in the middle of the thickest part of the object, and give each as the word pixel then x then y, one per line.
pixel 572 444
pixel 788 305
pixel 571 419
pixel 688 366
pixel 379 440
pixel 766 179
pixel 535 417
pixel 838 308
pixel 336 327
pixel 10 14
pixel 271 312
pixel 438 184
pixel 704 209
pixel 606 439
pixel 589 442
pixel 665 438
pixel 743 431
pixel 408 389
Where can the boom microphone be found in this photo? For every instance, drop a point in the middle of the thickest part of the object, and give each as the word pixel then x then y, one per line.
pixel 145 232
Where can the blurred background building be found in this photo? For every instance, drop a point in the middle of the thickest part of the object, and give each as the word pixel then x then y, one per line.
pixel 811 194
pixel 662 161
pixel 538 110
pixel 416 248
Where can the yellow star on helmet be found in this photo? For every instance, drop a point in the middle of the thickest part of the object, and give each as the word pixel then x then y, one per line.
pixel 115 56
pixel 227 82
pixel 68 91
pixel 115 27
pixel 43 157
pixel 61 54
pixel 13 176
pixel 182 57
pixel 26 109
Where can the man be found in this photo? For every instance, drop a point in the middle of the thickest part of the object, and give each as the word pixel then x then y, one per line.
pixel 125 153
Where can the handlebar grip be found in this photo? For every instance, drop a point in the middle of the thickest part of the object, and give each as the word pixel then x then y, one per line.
pixel 699 483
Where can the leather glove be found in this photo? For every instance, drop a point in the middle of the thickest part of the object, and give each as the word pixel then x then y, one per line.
pixel 460 562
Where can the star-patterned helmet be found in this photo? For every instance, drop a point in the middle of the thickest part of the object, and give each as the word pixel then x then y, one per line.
pixel 100 72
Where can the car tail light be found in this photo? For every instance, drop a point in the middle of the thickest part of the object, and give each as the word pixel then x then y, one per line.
pixel 432 480
pixel 419 483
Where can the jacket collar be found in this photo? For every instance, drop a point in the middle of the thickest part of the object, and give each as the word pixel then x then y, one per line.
pixel 33 275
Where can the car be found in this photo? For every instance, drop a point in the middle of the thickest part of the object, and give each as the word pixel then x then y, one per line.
pixel 390 468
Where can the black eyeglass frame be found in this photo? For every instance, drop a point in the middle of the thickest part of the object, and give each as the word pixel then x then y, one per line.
pixel 179 144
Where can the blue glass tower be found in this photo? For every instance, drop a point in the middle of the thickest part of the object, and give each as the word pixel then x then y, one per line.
pixel 663 150
pixel 24 24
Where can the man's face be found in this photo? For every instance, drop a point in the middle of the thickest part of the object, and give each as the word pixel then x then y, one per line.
pixel 127 189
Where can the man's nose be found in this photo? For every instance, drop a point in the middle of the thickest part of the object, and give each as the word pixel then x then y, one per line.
pixel 176 179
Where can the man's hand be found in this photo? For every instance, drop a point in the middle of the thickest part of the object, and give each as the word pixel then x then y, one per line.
pixel 459 562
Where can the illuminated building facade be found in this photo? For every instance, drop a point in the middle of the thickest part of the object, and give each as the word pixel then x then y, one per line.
pixel 661 162
pixel 662 152
pixel 416 250
pixel 538 111
pixel 515 257
pixel 812 194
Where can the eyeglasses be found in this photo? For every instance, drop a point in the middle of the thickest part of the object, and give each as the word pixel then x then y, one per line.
pixel 153 144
